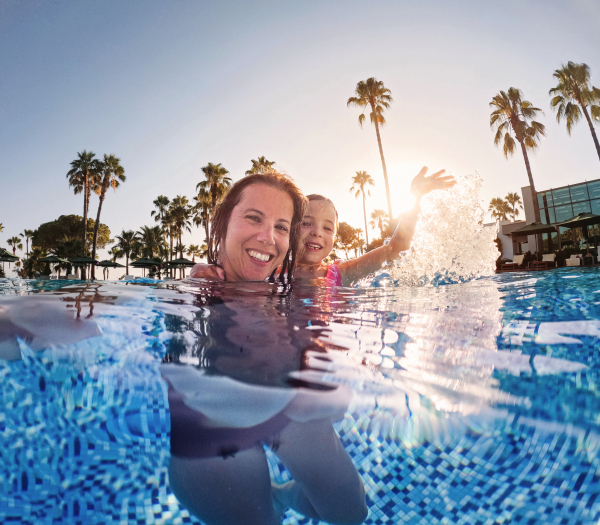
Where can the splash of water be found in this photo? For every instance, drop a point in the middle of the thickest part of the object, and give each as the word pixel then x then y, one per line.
pixel 450 244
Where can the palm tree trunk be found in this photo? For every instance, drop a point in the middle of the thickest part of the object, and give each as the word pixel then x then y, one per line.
pixel 589 121
pixel 365 215
pixel 102 195
pixel 385 177
pixel 536 205
pixel 127 264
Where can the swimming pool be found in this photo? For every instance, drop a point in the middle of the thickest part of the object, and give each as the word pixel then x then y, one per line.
pixel 470 403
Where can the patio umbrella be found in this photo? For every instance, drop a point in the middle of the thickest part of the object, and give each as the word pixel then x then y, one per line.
pixel 82 261
pixel 582 220
pixel 534 228
pixel 51 259
pixel 145 262
pixel 181 262
pixel 110 264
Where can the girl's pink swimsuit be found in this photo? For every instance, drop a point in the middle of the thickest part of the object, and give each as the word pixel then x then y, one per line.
pixel 333 276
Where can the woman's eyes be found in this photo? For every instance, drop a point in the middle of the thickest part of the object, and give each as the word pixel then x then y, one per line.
pixel 257 219
pixel 254 218
pixel 281 227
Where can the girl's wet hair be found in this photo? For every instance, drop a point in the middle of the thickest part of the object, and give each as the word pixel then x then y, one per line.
pixel 222 215
pixel 317 197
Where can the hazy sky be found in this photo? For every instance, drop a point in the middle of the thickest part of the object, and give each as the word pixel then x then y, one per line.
pixel 170 86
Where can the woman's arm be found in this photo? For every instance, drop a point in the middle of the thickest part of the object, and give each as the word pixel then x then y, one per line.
pixel 372 261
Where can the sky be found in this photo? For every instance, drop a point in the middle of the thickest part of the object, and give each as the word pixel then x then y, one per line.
pixel 170 86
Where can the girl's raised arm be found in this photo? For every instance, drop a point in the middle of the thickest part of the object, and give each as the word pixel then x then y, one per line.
pixel 372 261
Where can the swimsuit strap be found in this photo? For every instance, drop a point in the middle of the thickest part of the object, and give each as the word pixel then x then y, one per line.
pixel 333 277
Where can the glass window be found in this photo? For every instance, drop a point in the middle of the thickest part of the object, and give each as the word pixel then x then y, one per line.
pixel 594 189
pixel 547 216
pixel 596 207
pixel 581 207
pixel 579 193
pixel 544 199
pixel 563 213
pixel 561 196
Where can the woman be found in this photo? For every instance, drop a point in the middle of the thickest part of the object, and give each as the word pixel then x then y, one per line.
pixel 222 415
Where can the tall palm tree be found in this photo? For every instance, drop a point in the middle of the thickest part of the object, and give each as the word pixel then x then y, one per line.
pixel 202 211
pixel 111 175
pixel 513 116
pixel 83 177
pixel 514 201
pixel 162 208
pixel 27 235
pixel 216 183
pixel 261 165
pixel 128 244
pixel 373 93
pixel 359 181
pixel 499 209
pixel 573 95
pixel 181 213
pixel 16 244
pixel 380 219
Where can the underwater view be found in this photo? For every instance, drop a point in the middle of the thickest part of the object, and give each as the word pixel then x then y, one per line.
pixel 471 402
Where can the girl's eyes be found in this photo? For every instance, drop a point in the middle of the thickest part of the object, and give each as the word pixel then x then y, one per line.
pixel 306 224
pixel 328 229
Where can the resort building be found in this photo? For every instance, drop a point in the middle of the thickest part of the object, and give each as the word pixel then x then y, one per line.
pixel 556 205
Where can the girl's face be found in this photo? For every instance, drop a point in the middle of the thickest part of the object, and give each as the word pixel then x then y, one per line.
pixel 318 232
pixel 258 234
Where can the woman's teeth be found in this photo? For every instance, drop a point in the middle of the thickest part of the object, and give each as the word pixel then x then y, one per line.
pixel 260 256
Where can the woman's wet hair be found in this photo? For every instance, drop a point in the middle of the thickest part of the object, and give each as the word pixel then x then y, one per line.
pixel 317 197
pixel 222 215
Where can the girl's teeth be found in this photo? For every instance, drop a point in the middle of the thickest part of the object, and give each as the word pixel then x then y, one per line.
pixel 259 256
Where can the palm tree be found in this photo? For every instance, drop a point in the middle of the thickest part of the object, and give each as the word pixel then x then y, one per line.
pixel 111 174
pixel 151 240
pixel 128 244
pixel 194 251
pixel 380 219
pixel 499 209
pixel 216 183
pixel 15 242
pixel 359 181
pixel 373 93
pixel 83 178
pixel 513 115
pixel 27 234
pixel 573 95
pixel 180 212
pixel 202 211
pixel 514 201
pixel 162 208
pixel 261 165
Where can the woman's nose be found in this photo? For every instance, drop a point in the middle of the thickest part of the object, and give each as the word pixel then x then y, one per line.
pixel 266 235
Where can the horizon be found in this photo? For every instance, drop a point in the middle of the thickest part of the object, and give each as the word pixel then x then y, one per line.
pixel 168 90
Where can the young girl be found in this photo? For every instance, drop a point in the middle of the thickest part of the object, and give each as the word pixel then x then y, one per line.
pixel 319 227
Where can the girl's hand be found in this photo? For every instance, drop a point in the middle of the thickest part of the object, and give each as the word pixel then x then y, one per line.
pixel 208 271
pixel 422 185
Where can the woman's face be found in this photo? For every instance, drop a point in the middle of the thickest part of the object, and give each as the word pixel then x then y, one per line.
pixel 258 234
pixel 318 232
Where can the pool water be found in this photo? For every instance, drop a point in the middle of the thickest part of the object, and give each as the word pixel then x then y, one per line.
pixel 464 403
